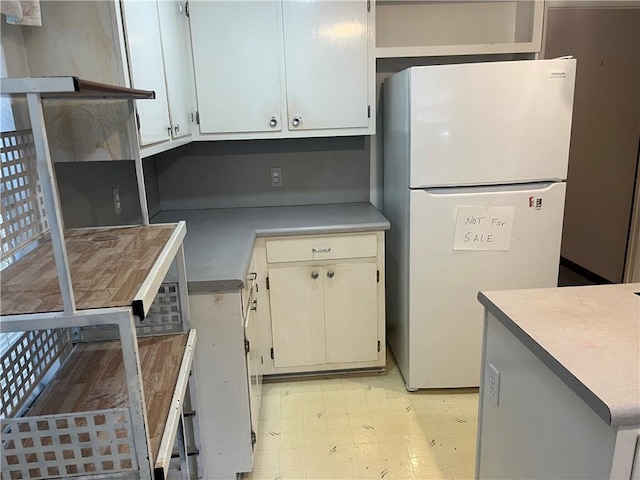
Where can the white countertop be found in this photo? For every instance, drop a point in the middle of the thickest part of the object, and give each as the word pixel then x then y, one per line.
pixel 588 336
pixel 219 242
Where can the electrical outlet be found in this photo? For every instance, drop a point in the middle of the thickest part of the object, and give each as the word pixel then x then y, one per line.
pixel 116 201
pixel 493 383
pixel 276 177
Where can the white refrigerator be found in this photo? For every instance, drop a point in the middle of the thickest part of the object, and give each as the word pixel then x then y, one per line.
pixel 474 161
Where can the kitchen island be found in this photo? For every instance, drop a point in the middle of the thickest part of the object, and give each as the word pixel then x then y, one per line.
pixel 277 290
pixel 560 396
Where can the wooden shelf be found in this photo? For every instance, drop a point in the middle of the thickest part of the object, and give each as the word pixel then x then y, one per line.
pixel 93 378
pixel 110 267
pixel 70 88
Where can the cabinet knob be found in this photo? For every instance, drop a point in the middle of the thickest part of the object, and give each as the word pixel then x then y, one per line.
pixel 330 273
pixel 254 305
pixel 177 128
pixel 296 121
pixel 314 275
pixel 273 122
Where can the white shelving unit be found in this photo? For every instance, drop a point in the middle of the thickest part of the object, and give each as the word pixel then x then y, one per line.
pixel 426 28
pixel 113 408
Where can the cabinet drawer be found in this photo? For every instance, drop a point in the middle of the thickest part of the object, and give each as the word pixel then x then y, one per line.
pixel 321 248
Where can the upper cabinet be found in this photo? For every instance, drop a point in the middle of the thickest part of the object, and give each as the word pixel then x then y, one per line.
pixel 275 69
pixel 143 43
pixel 159 53
pixel 469 27
pixel 237 55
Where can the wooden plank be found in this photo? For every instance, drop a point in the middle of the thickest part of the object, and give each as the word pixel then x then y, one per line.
pixel 93 378
pixel 108 266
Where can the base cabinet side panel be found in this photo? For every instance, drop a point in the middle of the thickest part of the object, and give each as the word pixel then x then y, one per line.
pixel 540 428
pixel 224 413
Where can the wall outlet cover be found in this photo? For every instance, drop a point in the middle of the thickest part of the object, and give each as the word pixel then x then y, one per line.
pixel 116 201
pixel 493 383
pixel 276 177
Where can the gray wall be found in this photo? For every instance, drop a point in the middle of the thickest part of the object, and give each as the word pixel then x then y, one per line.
pixel 217 175
pixel 603 158
pixel 86 193
pixel 237 173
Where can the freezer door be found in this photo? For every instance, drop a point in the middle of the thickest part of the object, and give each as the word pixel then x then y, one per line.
pixel 490 123
pixel 463 241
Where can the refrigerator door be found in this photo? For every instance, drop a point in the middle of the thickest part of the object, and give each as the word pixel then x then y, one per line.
pixel 490 123
pixel 464 240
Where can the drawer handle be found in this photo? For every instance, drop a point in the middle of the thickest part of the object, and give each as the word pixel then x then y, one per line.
pixel 321 250
pixel 252 276
pixel 314 275
pixel 330 273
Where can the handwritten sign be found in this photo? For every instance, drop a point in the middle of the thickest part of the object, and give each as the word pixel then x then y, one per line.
pixel 483 228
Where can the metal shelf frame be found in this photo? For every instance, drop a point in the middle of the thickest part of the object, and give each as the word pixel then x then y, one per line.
pixel 51 88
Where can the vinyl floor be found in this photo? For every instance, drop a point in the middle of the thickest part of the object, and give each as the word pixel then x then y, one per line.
pixel 364 426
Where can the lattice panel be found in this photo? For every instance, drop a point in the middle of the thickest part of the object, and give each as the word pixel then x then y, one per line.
pixel 26 363
pixel 99 442
pixel 23 217
pixel 163 317
pixel 164 314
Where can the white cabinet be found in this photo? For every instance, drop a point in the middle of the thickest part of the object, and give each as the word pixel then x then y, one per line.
pixel 326 298
pixel 275 69
pixel 238 71
pixel 326 45
pixel 324 315
pixel 178 66
pixel 297 316
pixel 350 312
pixel 159 54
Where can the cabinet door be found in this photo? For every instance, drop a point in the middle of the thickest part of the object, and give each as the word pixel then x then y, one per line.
pixel 351 312
pixel 146 68
pixel 254 365
pixel 178 65
pixel 297 316
pixel 326 63
pixel 237 62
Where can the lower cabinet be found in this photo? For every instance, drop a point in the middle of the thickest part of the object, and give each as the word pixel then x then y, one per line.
pixel 324 314
pixel 310 303
pixel 326 299
pixel 228 367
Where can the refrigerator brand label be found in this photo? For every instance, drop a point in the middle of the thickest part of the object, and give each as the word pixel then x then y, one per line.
pixel 483 228
pixel 560 74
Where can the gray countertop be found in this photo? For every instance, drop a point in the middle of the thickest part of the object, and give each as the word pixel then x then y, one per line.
pixel 219 242
pixel 588 336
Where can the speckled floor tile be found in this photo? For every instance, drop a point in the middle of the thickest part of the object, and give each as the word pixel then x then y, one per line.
pixel 364 426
